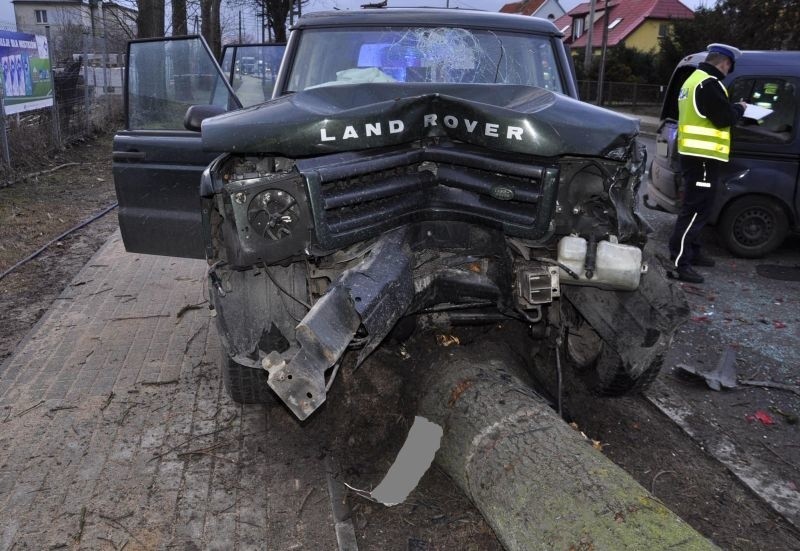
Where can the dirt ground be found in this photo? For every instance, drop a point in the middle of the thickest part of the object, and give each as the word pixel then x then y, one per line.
pixel 38 209
pixel 634 433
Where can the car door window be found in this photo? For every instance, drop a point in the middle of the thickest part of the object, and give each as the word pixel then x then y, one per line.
pixel 779 95
pixel 252 69
pixel 167 76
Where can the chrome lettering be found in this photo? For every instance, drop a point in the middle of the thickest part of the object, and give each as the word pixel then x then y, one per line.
pixel 398 126
pixel 514 132
pixel 323 135
pixel 349 132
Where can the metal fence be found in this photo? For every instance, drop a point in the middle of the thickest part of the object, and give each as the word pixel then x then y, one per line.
pixel 623 94
pixel 87 101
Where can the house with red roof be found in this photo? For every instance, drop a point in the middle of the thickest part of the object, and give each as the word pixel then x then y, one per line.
pixel 638 24
pixel 546 9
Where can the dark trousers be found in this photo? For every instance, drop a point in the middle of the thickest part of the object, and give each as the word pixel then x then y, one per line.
pixel 698 199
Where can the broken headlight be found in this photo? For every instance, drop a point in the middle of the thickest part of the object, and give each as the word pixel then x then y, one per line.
pixel 266 214
pixel 273 214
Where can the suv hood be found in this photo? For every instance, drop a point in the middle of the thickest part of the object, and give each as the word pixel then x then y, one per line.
pixel 519 119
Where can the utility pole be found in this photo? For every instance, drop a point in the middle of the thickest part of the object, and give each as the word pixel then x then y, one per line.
pixel 92 6
pixel 54 108
pixel 106 85
pixel 240 26
pixel 601 76
pixel 587 57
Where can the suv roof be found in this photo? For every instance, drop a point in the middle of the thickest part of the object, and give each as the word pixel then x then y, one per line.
pixel 427 17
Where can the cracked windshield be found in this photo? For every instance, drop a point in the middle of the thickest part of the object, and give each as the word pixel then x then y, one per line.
pixel 422 55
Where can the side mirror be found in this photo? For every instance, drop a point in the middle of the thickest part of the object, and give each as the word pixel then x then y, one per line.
pixel 196 114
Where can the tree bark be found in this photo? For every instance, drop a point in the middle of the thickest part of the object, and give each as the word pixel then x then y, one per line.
pixel 150 18
pixel 277 12
pixel 539 483
pixel 210 25
pixel 205 19
pixel 179 23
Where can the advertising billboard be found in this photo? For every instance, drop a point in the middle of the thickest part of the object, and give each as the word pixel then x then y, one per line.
pixel 24 72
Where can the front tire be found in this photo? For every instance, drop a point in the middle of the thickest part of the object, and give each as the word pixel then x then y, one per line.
pixel 753 226
pixel 601 369
pixel 245 385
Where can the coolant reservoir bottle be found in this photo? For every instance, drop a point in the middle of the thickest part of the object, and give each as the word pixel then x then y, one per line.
pixel 572 254
pixel 617 266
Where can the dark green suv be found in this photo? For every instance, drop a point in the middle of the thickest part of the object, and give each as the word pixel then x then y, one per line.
pixel 410 163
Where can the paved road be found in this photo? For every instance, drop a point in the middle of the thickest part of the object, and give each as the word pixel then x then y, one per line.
pixel 759 320
pixel 738 288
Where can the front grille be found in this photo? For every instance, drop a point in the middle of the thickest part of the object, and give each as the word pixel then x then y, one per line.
pixel 358 196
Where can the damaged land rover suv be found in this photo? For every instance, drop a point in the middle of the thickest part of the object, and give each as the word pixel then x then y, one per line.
pixel 408 163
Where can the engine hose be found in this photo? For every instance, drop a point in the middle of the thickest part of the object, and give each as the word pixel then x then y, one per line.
pixel 591 257
pixel 564 267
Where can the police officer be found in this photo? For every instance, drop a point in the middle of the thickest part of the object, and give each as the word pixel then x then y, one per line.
pixel 705 116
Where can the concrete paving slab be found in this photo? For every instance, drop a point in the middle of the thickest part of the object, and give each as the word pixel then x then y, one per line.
pixel 114 426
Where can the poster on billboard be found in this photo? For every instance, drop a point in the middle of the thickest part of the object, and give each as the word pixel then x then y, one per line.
pixel 25 72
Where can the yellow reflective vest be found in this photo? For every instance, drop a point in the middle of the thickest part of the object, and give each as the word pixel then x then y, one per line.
pixel 697 136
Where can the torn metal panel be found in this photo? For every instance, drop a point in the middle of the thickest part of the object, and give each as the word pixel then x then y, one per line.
pixel 323 336
pixel 722 376
pixel 372 295
pixel 623 192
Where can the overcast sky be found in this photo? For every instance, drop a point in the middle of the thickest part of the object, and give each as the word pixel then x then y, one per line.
pixel 7 9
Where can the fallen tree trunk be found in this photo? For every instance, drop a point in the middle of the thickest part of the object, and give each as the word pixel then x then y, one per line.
pixel 539 483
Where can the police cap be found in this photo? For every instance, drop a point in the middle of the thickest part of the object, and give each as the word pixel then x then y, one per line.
pixel 728 51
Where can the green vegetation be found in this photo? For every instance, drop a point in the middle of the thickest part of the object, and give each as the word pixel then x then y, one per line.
pixel 748 25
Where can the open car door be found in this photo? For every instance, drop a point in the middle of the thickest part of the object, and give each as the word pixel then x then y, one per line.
pixel 157 162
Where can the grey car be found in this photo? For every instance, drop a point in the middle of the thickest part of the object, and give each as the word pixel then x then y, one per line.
pixel 759 202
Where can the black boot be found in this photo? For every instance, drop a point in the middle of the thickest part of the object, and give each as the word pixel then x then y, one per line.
pixel 687 273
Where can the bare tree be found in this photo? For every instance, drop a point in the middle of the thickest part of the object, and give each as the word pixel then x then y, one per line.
pixel 150 21
pixel 69 39
pixel 210 24
pixel 119 24
pixel 276 12
pixel 179 22
pixel 231 31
